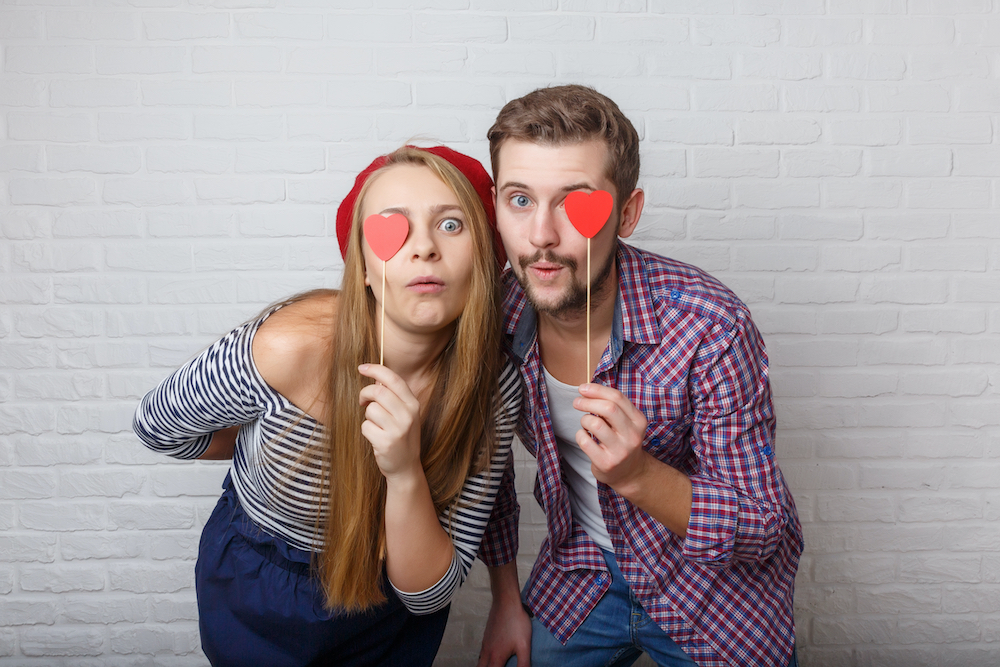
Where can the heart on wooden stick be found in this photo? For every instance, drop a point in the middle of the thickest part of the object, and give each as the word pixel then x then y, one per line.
pixel 386 235
pixel 589 212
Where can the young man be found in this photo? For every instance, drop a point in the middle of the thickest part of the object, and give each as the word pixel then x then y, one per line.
pixel 670 527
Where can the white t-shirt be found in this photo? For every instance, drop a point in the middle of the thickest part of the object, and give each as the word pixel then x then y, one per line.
pixel 583 499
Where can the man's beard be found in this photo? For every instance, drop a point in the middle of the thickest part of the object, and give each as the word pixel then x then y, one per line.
pixel 575 299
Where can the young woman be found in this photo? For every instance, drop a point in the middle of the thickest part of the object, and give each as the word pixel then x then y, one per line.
pixel 359 492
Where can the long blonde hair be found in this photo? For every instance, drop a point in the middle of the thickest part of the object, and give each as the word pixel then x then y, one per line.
pixel 457 422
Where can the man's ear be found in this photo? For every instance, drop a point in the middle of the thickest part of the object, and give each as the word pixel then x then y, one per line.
pixel 631 212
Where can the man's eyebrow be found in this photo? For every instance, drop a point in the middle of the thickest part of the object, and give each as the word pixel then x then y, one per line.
pixel 567 188
pixel 579 186
pixel 514 184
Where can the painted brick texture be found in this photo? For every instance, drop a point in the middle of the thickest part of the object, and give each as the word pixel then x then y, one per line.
pixel 167 168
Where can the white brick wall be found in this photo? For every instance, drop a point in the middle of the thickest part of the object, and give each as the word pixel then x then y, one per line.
pixel 168 168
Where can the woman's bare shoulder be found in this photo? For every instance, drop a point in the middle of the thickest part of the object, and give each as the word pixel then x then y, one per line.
pixel 291 348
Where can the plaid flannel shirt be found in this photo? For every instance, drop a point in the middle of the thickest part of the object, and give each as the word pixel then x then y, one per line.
pixel 685 352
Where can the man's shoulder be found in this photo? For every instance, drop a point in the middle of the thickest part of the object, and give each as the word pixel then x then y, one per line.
pixel 507 281
pixel 511 295
pixel 675 285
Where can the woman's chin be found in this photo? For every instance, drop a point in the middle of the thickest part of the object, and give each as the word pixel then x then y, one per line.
pixel 430 323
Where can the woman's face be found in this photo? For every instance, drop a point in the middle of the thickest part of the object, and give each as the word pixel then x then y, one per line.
pixel 427 281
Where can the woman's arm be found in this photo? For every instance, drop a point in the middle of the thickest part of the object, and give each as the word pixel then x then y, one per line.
pixel 465 521
pixel 485 507
pixel 418 550
pixel 222 446
pixel 215 390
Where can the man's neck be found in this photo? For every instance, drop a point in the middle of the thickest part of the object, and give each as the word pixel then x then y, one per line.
pixel 562 337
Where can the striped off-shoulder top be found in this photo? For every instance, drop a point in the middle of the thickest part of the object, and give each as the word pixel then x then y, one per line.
pixel 275 474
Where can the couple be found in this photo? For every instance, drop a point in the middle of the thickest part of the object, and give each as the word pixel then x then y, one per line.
pixel 361 492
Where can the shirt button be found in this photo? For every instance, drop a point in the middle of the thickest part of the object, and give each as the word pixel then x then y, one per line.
pixel 675 294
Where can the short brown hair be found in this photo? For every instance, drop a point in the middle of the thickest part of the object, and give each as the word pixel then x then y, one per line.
pixel 571 114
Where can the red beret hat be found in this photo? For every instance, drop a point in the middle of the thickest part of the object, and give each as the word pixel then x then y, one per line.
pixel 470 168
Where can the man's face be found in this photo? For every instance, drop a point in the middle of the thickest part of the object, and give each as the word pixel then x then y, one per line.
pixel 547 254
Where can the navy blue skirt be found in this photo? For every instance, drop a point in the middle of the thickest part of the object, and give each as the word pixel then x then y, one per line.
pixel 259 604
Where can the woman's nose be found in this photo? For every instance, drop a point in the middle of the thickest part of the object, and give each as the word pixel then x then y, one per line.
pixel 422 243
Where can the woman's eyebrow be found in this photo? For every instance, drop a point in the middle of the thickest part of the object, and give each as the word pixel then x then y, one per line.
pixel 437 209
pixel 441 208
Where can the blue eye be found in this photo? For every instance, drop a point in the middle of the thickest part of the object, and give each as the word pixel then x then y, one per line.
pixel 451 225
pixel 520 201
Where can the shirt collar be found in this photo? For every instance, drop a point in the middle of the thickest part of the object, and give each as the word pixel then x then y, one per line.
pixel 634 315
pixel 635 298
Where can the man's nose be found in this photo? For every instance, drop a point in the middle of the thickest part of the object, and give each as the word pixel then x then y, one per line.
pixel 542 232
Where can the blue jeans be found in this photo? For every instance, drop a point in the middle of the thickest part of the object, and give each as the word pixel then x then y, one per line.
pixel 615 633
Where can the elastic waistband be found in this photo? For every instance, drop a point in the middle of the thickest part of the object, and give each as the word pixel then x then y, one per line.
pixel 270 547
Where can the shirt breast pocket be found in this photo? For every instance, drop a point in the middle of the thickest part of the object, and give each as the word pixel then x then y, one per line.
pixel 668 417
pixel 666 440
pixel 669 421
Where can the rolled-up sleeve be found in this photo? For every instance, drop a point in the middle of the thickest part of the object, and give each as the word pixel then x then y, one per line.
pixel 436 597
pixel 500 542
pixel 483 520
pixel 739 499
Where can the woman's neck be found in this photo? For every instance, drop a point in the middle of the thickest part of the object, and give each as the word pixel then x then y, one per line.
pixel 412 355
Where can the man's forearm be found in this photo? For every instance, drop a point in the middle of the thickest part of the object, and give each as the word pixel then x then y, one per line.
pixel 508 627
pixel 662 492
pixel 503 583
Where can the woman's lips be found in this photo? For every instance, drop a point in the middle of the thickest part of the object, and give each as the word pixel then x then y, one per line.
pixel 426 285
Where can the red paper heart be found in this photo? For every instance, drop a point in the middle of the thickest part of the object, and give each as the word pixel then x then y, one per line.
pixel 386 235
pixel 589 212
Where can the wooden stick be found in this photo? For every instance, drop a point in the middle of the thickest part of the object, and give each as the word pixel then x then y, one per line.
pixel 381 333
pixel 588 310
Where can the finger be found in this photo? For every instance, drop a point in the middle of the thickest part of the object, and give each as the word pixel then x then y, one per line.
pixel 372 433
pixel 598 391
pixel 620 413
pixel 597 429
pixel 594 450
pixel 379 416
pixel 384 396
pixel 494 660
pixel 606 402
pixel 486 660
pixel 523 653
pixel 387 377
pixel 609 412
